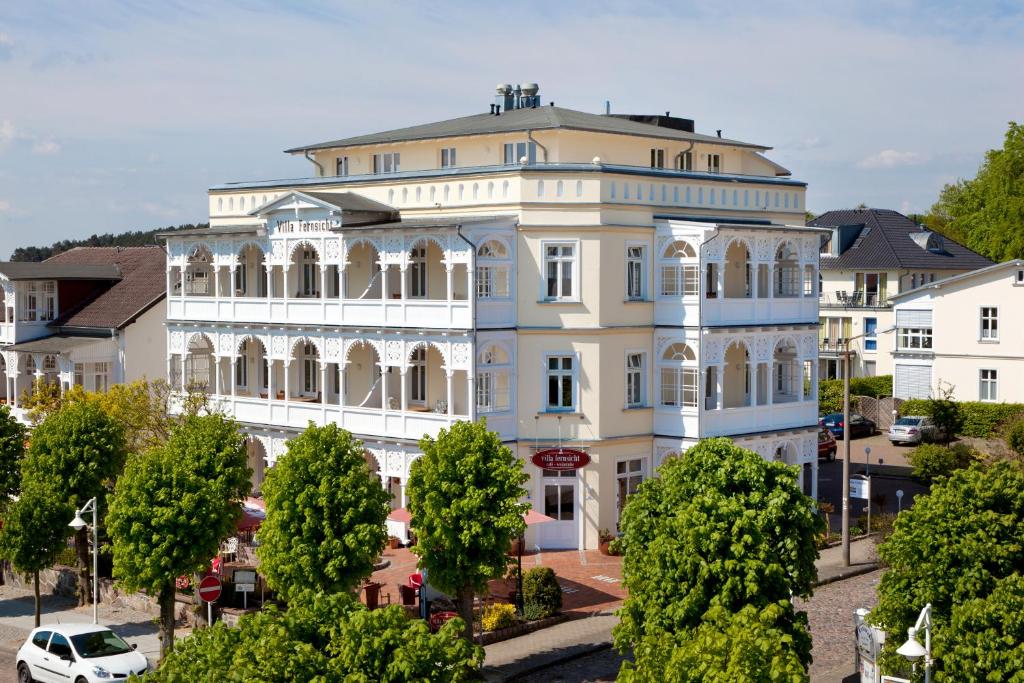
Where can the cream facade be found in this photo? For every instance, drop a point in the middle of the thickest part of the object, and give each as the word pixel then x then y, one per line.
pixel 576 295
pixel 963 334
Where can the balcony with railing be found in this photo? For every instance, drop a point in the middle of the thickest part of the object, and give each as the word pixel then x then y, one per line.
pixel 855 299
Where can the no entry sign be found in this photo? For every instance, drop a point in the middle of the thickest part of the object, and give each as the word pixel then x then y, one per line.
pixel 560 459
pixel 209 588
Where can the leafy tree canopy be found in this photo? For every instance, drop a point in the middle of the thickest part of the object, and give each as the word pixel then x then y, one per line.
pixel 325 514
pixel 327 638
pixel 464 495
pixel 12 450
pixel 986 213
pixel 136 238
pixel 719 526
pixel 953 546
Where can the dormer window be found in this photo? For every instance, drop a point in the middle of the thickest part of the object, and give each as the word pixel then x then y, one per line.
pixel 657 158
pixel 340 168
pixel 386 162
pixel 514 151
pixel 714 163
pixel 684 161
pixel 40 301
pixel 448 157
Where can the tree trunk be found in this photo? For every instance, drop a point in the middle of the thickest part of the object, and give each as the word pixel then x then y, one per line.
pixel 197 603
pixel 166 600
pixel 84 572
pixel 35 581
pixel 465 601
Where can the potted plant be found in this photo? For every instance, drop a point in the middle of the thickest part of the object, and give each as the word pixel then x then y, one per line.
pixel 393 542
pixel 604 541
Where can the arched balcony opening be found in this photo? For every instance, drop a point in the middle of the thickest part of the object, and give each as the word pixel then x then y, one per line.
pixel 251 369
pixel 362 276
pixel 199 272
pixel 493 380
pixel 679 270
pixel 305 281
pixel 737 275
pixel 787 271
pixel 426 275
pixel 50 371
pixel 6 307
pixel 736 378
pixel 250 279
pixel 303 375
pixel 787 380
pixel 199 364
pixel 428 387
pixel 362 384
pixel 786 453
pixel 679 377
pixel 256 459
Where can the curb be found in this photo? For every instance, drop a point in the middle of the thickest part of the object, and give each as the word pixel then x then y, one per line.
pixel 583 651
pixel 849 574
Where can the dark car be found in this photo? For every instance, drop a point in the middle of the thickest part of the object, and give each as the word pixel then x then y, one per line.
pixel 826 445
pixel 859 425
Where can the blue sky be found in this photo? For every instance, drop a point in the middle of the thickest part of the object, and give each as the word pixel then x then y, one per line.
pixel 117 116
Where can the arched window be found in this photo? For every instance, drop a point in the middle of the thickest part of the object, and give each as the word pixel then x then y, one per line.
pixel 418 376
pixel 309 273
pixel 493 380
pixel 787 271
pixel 493 269
pixel 680 271
pixel 679 377
pixel 310 369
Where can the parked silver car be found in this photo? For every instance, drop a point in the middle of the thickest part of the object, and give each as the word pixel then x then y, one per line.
pixel 914 429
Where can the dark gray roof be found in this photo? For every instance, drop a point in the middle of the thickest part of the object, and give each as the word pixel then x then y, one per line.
pixel 214 230
pixel 883 238
pixel 539 118
pixel 58 343
pixel 56 270
pixel 350 201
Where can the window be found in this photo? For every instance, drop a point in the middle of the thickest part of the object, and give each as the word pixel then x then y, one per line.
pixel 679 377
pixel 636 272
pixel 79 374
pixel 989 323
pixel 41 638
pixel 559 268
pixel 869 288
pixel 988 389
pixel 341 166
pixel 242 368
pixel 240 279
pixel 635 375
pixel 418 273
pixel 418 376
pixel 684 161
pixel 870 334
pixel 679 278
pixel 100 376
pixel 493 381
pixel 560 383
pixel 59 646
pixel 657 158
pixel 514 151
pixel 915 338
pixel 492 271
pixel 629 474
pixel 1019 278
pixel 559 496
pixel 309 369
pixel 308 274
pixel 714 163
pixel 386 162
pixel 40 301
pixel 447 157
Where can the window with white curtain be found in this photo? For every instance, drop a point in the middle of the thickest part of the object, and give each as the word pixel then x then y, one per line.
pixel 680 271
pixel 679 377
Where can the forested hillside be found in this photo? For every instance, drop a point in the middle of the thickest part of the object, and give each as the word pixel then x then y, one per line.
pixel 133 238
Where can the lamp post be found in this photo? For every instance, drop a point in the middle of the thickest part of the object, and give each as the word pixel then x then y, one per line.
pixel 913 650
pixel 846 443
pixel 77 524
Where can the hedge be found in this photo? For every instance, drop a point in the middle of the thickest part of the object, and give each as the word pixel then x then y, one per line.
pixel 830 391
pixel 981 420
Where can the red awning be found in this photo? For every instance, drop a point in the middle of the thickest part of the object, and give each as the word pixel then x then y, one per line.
pixel 533 517
pixel 400 515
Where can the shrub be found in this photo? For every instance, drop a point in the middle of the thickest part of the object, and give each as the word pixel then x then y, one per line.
pixel 980 420
pixel 1015 438
pixel 498 616
pixel 933 461
pixel 532 612
pixel 541 588
pixel 830 391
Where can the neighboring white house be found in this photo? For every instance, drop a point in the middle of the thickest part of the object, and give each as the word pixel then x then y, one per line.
pixel 870 256
pixel 965 331
pixel 88 317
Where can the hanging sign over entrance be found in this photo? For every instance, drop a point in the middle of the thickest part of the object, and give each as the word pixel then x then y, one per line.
pixel 560 459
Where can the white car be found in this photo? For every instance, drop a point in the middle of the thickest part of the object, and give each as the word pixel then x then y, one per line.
pixel 914 429
pixel 77 653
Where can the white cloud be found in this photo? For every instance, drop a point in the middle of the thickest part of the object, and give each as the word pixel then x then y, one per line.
pixel 45 147
pixel 891 158
pixel 811 142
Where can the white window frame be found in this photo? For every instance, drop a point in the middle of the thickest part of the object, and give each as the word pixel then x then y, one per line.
pixel 387 162
pixel 418 272
pixel 714 163
pixel 489 399
pixel 512 152
pixel 684 380
pixel 988 385
pixel 679 277
pixel 657 157
pixel 447 157
pixel 242 369
pixel 418 377
pixel 570 375
pixel 493 273
pixel 988 324
pixel 635 385
pixel 310 370
pixel 914 339
pixel 684 161
pixel 308 273
pixel 636 271
pixel 100 376
pixel 574 271
pixel 341 166
pixel 628 475
pixel 1018 279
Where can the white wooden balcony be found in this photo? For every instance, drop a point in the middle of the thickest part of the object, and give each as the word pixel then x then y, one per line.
pixel 761 311
pixel 672 422
pixel 748 419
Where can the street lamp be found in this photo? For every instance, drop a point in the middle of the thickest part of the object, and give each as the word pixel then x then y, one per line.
pixel 78 524
pixel 846 442
pixel 913 650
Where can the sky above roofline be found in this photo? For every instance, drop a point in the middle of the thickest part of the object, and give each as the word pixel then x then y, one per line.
pixel 125 112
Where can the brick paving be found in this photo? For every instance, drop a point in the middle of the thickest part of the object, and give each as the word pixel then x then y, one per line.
pixel 830 613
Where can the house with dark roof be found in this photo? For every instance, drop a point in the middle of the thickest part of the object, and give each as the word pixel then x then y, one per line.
pixel 88 317
pixel 870 256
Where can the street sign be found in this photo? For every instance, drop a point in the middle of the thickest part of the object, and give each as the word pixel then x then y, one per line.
pixel 560 459
pixel 245 587
pixel 860 488
pixel 209 588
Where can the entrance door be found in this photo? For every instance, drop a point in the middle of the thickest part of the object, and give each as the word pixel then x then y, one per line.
pixel 560 503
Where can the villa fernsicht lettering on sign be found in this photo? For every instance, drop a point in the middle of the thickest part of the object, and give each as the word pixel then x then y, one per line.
pixel 321 225
pixel 560 459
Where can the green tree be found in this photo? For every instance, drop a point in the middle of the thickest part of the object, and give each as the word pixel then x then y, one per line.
pixel 989 636
pixel 932 461
pixel 953 546
pixel 35 529
pixel 78 450
pixel 174 505
pixel 464 495
pixel 986 213
pixel 719 526
pixel 323 637
pixel 12 450
pixel 325 515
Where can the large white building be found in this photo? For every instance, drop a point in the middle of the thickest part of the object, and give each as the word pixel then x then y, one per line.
pixel 621 285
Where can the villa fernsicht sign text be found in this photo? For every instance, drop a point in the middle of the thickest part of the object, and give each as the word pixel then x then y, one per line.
pixel 322 225
pixel 560 459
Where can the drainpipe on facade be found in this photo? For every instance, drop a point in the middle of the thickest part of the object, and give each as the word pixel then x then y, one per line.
pixel 471 296
pixel 319 166
pixel 679 157
pixel 702 395
pixel 529 136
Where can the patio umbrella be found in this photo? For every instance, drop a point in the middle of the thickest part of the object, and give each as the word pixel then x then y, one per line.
pixel 253 514
pixel 400 515
pixel 531 517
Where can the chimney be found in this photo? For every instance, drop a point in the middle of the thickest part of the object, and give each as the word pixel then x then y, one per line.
pixel 719 132
pixel 503 98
